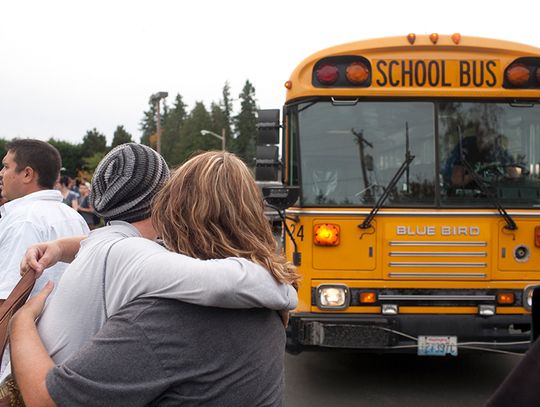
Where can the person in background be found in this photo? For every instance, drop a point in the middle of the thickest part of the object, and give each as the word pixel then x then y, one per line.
pixel 34 212
pixel 522 385
pixel 69 197
pixel 74 185
pixel 483 150
pixel 84 207
pixel 155 351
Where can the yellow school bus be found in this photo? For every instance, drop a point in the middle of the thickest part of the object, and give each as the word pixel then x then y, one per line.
pixel 416 164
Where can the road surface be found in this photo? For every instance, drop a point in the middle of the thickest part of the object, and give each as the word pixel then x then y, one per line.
pixel 351 379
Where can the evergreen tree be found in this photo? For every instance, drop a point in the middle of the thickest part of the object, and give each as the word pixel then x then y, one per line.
pixel 172 130
pixel 93 142
pixel 120 136
pixel 148 125
pixel 71 156
pixel 246 125
pixel 227 107
pixel 91 162
pixel 3 143
pixel 192 140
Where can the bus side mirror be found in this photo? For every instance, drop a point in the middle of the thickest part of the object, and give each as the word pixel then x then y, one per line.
pixel 267 163
pixel 268 126
pixel 281 197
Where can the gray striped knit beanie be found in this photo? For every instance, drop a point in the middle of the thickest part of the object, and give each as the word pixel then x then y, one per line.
pixel 125 182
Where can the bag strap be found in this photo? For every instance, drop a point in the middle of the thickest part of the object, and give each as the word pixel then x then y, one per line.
pixel 14 301
pixel 103 284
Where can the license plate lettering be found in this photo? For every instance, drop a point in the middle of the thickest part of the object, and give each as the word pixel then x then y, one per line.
pixel 437 345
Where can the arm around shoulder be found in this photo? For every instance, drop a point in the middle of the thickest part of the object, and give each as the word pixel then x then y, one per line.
pixel 226 283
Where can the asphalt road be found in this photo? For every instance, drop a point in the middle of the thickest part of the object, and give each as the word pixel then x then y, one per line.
pixel 351 379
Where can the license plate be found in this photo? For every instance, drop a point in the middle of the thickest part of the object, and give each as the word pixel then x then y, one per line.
pixel 437 345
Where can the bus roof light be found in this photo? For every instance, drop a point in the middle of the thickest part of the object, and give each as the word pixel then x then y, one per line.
pixel 327 74
pixel 288 84
pixel 456 38
pixel 518 74
pixel 537 236
pixel 434 38
pixel 411 38
pixel 357 73
pixel 326 234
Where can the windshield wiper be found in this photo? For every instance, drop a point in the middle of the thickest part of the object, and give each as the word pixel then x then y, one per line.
pixel 510 224
pixel 366 224
pixel 367 221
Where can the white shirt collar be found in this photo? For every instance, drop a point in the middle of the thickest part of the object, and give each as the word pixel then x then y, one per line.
pixel 44 195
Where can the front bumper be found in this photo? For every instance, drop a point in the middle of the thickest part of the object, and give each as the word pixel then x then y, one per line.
pixel 396 334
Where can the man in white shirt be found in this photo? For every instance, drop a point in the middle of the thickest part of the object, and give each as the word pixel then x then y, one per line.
pixel 34 212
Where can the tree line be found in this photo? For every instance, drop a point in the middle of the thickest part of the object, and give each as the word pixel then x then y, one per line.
pixel 180 133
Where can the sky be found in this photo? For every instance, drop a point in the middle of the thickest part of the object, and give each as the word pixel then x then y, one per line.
pixel 68 66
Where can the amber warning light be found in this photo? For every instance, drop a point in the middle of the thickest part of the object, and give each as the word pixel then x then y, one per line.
pixel 518 75
pixel 326 234
pixel 523 73
pixel 505 298
pixel 357 73
pixel 368 297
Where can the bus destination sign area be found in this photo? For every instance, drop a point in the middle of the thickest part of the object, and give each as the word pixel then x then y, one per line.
pixel 409 73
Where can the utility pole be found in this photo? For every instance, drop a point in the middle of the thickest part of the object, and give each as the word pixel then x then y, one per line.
pixel 155 99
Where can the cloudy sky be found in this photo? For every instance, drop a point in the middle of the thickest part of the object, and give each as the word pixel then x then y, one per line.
pixel 67 66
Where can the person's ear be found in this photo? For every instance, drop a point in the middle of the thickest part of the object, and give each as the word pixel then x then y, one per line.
pixel 29 175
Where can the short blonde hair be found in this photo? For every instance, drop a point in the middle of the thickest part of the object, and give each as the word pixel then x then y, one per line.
pixel 211 208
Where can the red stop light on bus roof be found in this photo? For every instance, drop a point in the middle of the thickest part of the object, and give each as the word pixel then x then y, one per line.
pixel 327 74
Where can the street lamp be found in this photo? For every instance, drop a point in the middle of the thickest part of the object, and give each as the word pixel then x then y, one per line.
pixel 155 99
pixel 222 137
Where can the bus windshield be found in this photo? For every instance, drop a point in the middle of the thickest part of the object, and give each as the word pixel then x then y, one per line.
pixel 465 153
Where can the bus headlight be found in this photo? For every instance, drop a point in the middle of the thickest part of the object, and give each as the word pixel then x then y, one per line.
pixel 528 296
pixel 333 296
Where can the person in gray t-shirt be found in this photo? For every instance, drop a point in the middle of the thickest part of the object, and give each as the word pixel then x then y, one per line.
pixel 210 208
pixel 170 353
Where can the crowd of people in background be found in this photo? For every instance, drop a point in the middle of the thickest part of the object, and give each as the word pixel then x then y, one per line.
pixel 75 193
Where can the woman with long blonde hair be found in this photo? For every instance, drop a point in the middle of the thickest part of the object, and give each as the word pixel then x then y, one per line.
pixel 212 208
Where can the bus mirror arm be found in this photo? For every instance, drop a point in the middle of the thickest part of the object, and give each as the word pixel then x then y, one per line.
pixel 297 256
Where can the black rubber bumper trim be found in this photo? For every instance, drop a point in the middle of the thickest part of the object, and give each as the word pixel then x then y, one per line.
pixel 375 332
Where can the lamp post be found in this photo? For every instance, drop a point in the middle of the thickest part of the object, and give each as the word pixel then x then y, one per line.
pixel 222 137
pixel 155 99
